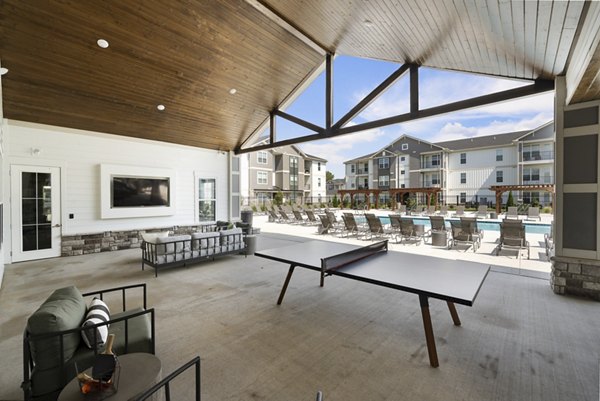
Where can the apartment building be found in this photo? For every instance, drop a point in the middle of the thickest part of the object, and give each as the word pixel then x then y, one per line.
pixel 463 169
pixel 300 177
pixel 334 186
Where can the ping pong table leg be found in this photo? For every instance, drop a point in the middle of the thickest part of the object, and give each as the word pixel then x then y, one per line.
pixel 285 284
pixel 431 350
pixel 453 312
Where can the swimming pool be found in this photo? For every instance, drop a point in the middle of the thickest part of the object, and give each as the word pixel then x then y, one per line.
pixel 490 225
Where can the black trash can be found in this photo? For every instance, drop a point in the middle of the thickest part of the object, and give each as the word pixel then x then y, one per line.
pixel 246 216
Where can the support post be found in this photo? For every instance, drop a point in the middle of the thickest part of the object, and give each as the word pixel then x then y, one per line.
pixel 272 128
pixel 328 92
pixel 414 89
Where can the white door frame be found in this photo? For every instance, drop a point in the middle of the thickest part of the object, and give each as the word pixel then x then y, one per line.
pixel 17 252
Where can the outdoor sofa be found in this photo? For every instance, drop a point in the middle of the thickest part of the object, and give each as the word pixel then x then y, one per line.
pixel 162 251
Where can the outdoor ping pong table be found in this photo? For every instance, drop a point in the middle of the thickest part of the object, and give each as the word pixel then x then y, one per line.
pixel 453 281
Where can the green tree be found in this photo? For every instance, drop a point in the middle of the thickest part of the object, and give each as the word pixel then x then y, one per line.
pixel 329 176
pixel 278 198
pixel 335 202
pixel 510 201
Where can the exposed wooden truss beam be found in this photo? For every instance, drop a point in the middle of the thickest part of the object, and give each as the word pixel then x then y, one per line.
pixel 539 86
pixel 328 91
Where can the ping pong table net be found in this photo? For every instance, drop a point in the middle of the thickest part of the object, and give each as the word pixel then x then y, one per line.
pixel 343 259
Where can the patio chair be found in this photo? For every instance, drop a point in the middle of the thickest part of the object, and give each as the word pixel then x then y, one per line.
pixel 469 224
pixel 351 227
pixel 443 210
pixel 512 212
pixel 325 226
pixel 395 223
pixel 401 209
pixel 460 236
pixel 438 223
pixel 439 232
pixel 312 219
pixel 512 235
pixel 549 241
pixel 335 223
pixel 430 211
pixel 422 210
pixel 460 211
pixel 533 213
pixel 273 216
pixel 376 229
pixel 299 218
pixel 408 231
pixel 284 217
pixel 482 212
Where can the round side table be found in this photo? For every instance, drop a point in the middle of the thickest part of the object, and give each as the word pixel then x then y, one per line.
pixel 139 372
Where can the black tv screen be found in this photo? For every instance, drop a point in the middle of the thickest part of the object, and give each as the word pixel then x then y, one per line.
pixel 140 191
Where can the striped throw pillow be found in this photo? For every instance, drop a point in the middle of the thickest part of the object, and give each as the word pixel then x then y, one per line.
pixel 97 313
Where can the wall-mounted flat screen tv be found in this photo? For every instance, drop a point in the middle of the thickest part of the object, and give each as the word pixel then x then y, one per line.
pixel 130 191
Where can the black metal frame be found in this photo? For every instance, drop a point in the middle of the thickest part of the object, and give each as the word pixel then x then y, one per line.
pixel 167 380
pixel 341 128
pixel 28 363
pixel 149 253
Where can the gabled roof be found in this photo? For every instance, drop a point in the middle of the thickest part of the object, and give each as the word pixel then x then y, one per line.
pixel 545 131
pixel 315 158
pixel 483 141
pixel 367 156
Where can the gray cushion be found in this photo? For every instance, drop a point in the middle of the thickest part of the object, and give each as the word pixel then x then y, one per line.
pixel 63 310
pixel 205 240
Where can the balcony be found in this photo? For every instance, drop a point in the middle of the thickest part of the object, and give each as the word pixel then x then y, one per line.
pixel 537 155
pixel 363 171
pixel 363 187
pixel 536 180
pixel 431 184
pixel 429 165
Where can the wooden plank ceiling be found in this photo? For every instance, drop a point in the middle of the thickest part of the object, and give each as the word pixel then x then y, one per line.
pixel 188 54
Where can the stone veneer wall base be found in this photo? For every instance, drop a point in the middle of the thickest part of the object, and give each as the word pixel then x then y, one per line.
pixel 82 244
pixel 576 277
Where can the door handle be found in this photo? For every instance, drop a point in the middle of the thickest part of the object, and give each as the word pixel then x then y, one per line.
pixel 57 225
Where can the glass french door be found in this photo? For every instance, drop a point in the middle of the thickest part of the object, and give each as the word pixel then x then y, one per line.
pixel 35 217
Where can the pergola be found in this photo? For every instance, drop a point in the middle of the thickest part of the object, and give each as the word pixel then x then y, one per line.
pixel 392 191
pixel 500 189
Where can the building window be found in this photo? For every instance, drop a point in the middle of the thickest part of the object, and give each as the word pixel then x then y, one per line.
pixel 262 177
pixel 384 181
pixel 402 186
pixel 319 166
pixel 405 146
pixel 319 181
pixel 207 199
pixel 402 158
pixel 352 185
pixel 402 172
pixel 261 157
pixel 463 178
pixel 435 179
pixel 499 155
pixel 499 176
pixel 463 197
pixel 531 174
pixel 384 163
pixel 366 168
pixel 352 168
pixel 435 160
pixel 463 158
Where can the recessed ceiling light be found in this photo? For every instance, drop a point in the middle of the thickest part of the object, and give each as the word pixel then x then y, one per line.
pixel 102 43
pixel 232 91
pixel 3 71
pixel 161 107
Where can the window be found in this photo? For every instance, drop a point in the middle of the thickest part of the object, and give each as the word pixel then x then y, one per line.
pixel 435 160
pixel 319 166
pixel 402 172
pixel 435 179
pixel 405 146
pixel 463 178
pixel 352 185
pixel 463 158
pixel 402 158
pixel 262 157
pixel 384 163
pixel 463 197
pixel 499 176
pixel 207 199
pixel 262 177
pixel 319 181
pixel 499 155
pixel 402 186
pixel 384 181
pixel 531 174
pixel 352 168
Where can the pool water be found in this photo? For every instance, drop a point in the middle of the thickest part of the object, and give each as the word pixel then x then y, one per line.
pixel 530 228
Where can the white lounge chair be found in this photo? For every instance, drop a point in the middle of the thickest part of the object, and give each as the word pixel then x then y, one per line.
pixel 533 213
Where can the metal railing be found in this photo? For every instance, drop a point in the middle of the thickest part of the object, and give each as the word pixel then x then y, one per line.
pixel 538 155
pixel 533 180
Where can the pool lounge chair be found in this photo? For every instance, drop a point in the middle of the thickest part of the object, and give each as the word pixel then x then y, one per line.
pixel 430 211
pixel 351 227
pixel 273 216
pixel 326 226
pixel 312 219
pixel 438 223
pixel 512 212
pixel 443 210
pixel 512 235
pixel 299 218
pixel 284 217
pixel 335 223
pixel 401 209
pixel 408 232
pixel 395 223
pixel 460 211
pixel 533 213
pixel 482 212
pixel 460 236
pixel 469 224
pixel 376 229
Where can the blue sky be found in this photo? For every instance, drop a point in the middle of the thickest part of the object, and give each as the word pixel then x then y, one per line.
pixel 354 78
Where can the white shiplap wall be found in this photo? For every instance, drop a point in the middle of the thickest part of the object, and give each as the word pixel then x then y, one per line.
pixel 80 153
